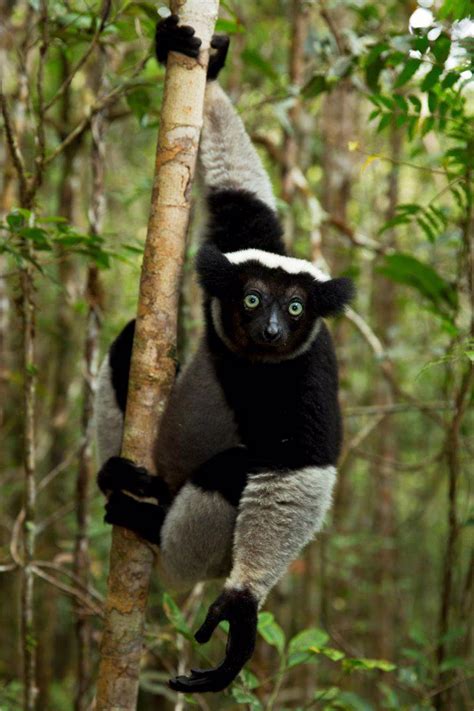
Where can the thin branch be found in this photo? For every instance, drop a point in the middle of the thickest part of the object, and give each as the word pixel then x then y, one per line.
pixel 356 238
pixel 104 13
pixel 40 124
pixel 69 590
pixel 105 102
pixel 12 142
pixel 395 408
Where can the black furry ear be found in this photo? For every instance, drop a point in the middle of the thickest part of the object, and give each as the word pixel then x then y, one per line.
pixel 331 297
pixel 215 271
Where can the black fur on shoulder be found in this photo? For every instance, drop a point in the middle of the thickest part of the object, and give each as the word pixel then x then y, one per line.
pixel 225 473
pixel 331 297
pixel 120 355
pixel 287 413
pixel 238 220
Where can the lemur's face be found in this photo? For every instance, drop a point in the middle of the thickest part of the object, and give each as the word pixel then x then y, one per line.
pixel 267 307
pixel 268 315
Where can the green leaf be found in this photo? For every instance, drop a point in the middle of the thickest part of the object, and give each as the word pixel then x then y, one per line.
pixel 407 72
pixel 37 236
pixel 397 220
pixel 367 664
pixel 405 269
pixel 253 58
pixel 334 655
pixel 229 27
pixel 249 679
pixel 308 639
pixel 431 78
pixel 271 631
pixel 385 121
pixel 139 102
pixel 175 616
pixel 316 85
pixel 246 697
pixel 441 48
pixel 450 80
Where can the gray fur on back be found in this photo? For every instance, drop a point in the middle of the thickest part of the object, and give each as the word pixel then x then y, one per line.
pixel 197 422
pixel 108 416
pixel 196 537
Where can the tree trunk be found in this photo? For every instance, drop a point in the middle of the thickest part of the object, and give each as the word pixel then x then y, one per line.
pixel 93 295
pixel 153 359
pixel 384 316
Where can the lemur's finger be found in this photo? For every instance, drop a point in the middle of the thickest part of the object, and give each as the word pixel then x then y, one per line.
pixel 186 30
pixel 207 628
pixel 219 41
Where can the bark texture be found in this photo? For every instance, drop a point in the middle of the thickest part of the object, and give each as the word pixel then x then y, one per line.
pixel 153 360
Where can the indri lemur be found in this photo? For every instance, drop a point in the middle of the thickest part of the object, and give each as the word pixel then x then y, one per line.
pixel 248 444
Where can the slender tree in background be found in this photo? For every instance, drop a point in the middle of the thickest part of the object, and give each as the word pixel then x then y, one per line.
pixel 93 295
pixel 153 363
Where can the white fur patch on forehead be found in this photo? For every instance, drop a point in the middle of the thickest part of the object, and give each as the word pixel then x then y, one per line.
pixel 291 265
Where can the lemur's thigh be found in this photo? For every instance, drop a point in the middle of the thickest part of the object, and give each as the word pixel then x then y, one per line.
pixel 196 536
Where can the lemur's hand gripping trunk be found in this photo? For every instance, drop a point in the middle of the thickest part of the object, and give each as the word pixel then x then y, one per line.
pixel 153 365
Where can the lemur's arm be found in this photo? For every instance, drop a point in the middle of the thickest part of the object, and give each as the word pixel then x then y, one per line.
pixel 227 158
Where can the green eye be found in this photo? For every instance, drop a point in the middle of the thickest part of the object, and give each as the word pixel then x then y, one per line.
pixel 251 301
pixel 295 308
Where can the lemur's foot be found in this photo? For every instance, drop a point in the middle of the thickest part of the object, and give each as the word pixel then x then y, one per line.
pixel 171 37
pixel 120 474
pixel 143 519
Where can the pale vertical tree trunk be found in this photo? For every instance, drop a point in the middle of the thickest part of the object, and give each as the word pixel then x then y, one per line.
pixel 93 294
pixel 153 359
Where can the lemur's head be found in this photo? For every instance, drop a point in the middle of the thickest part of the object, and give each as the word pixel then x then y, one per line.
pixel 265 306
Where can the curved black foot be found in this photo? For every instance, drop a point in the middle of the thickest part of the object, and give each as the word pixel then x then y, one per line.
pixel 120 474
pixel 239 607
pixel 143 519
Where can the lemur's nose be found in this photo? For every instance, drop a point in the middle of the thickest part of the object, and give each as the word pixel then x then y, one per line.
pixel 272 332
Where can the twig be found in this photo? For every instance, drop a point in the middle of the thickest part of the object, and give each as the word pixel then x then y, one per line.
pixel 69 590
pixel 40 132
pixel 105 102
pixel 356 238
pixel 104 13
pixel 395 408
pixel 48 478
pixel 15 151
pixel 70 574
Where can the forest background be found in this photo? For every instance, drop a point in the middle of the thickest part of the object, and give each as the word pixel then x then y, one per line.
pixel 363 116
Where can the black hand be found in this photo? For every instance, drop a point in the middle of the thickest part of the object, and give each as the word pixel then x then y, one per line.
pixel 217 59
pixel 171 37
pixel 142 518
pixel 239 607
pixel 119 474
